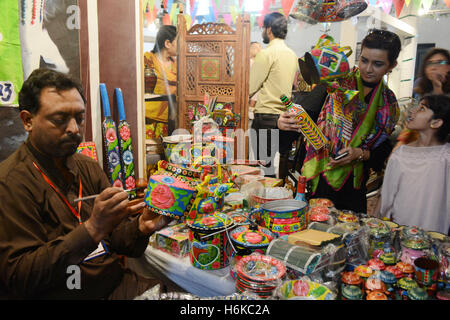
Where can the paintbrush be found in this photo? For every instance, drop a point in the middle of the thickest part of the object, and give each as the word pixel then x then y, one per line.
pixel 96 195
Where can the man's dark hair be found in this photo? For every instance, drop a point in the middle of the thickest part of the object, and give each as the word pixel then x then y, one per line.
pixel 440 104
pixel 277 23
pixel 29 95
pixel 384 40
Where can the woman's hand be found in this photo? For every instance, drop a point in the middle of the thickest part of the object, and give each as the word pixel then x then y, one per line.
pixel 287 122
pixel 353 155
pixel 437 80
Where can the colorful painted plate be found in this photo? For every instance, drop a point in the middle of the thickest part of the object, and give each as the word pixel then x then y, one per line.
pixel 294 289
pixel 260 268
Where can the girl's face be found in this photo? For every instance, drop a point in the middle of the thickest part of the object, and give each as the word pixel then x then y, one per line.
pixel 374 64
pixel 420 117
pixel 437 66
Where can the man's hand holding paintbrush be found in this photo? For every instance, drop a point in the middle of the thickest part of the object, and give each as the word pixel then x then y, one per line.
pixel 111 206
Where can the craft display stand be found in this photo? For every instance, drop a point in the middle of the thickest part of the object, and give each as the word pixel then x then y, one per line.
pixel 214 58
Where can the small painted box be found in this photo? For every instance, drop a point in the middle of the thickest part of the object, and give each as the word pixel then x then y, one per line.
pixel 169 196
pixel 173 240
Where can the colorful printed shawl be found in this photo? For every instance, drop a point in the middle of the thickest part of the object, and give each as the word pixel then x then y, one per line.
pixel 347 120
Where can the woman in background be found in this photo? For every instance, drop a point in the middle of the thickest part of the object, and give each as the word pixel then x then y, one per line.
pixel 163 60
pixel 434 78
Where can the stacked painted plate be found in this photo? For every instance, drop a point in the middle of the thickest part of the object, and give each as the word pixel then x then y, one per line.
pixel 259 275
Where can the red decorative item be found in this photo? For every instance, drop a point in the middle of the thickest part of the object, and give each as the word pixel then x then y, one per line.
pixel 376 264
pixel 406 268
pixel 395 271
pixel 162 197
pixel 398 5
pixel 287 5
pixel 375 284
pixel 351 278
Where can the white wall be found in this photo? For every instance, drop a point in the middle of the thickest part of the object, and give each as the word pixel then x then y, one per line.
pixel 433 30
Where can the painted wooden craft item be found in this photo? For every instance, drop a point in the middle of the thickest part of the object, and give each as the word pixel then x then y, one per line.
pixel 283 216
pixel 308 127
pixel 209 198
pixel 209 245
pixel 125 146
pixel 326 61
pixel 223 148
pixel 259 274
pixel 111 141
pixel 169 196
pixel 88 149
pixel 177 148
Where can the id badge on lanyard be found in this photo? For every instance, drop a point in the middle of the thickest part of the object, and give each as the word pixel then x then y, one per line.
pixel 101 249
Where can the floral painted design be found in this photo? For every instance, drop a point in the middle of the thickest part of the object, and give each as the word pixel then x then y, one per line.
pixel 125 133
pixel 127 157
pixel 114 159
pixel 117 183
pixel 162 197
pixel 111 135
pixel 130 182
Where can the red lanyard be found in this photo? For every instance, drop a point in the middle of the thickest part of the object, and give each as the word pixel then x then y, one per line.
pixel 75 213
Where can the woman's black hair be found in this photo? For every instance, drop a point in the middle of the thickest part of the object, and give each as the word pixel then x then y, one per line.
pixel 29 95
pixel 277 23
pixel 424 84
pixel 385 40
pixel 440 105
pixel 166 32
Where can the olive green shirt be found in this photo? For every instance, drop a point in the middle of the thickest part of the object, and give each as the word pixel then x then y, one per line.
pixel 40 237
pixel 272 73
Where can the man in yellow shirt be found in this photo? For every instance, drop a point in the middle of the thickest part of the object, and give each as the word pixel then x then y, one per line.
pixel 272 75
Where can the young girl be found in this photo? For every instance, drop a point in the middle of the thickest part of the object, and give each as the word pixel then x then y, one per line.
pixel 416 186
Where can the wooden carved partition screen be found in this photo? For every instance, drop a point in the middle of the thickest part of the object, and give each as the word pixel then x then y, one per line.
pixel 215 58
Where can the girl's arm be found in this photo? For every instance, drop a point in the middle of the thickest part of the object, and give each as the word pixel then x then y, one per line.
pixel 389 189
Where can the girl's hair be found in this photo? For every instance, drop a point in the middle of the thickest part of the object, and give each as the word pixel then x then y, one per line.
pixel 424 84
pixel 440 105
pixel 384 40
pixel 166 32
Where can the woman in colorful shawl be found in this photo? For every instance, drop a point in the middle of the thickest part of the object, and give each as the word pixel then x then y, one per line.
pixel 162 60
pixel 355 126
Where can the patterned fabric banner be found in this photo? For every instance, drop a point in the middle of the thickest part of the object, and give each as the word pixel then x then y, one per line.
pixel 398 5
pixel 287 5
pixel 11 72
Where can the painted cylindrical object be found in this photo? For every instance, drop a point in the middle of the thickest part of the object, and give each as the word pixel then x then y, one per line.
pixel 210 247
pixel 284 216
pixel 307 126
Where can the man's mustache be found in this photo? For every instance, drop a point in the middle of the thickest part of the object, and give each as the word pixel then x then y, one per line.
pixel 76 138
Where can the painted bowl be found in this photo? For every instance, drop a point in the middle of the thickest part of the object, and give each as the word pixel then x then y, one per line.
pixel 376 264
pixel 251 237
pixel 351 292
pixel 376 295
pixel 297 289
pixel 350 278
